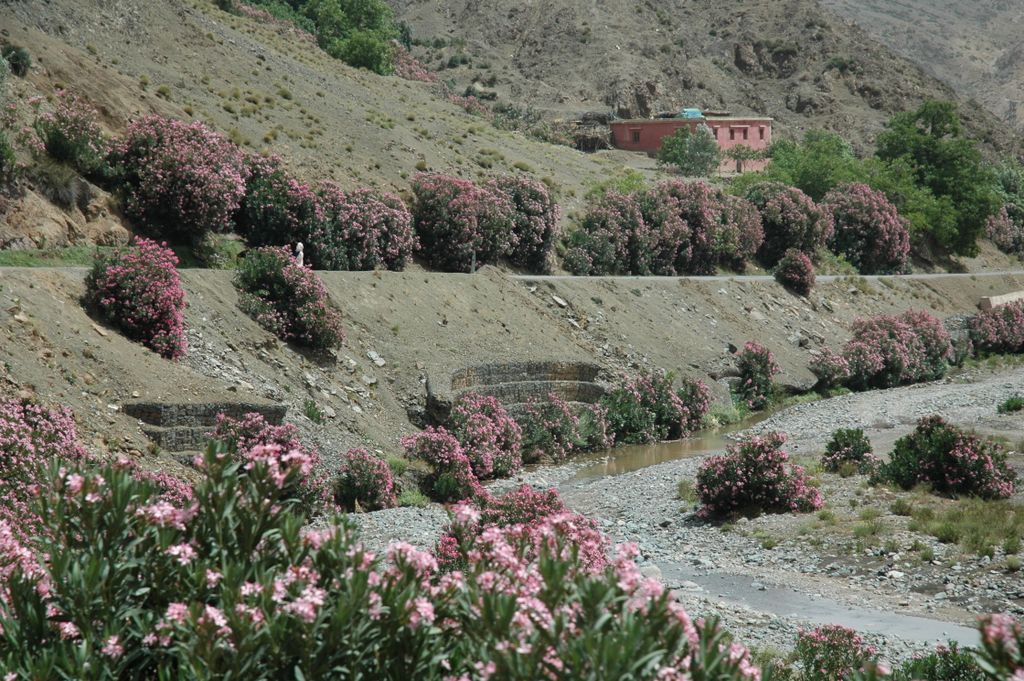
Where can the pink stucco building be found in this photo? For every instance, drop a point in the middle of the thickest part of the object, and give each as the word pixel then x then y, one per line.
pixel 646 135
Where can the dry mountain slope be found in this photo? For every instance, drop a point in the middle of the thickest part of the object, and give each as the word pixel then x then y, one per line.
pixel 976 47
pixel 789 59
pixel 269 90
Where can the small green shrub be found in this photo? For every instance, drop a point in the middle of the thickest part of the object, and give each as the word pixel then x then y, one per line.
pixel 414 498
pixel 832 653
pixel 848 446
pixel 1012 404
pixel 18 58
pixel 947 663
pixel 757 366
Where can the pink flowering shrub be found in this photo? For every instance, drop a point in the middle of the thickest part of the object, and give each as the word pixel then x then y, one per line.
pixel 362 229
pixel 452 477
pixel 287 299
pixel 790 219
pixel 535 218
pixel 556 430
pixel 612 239
pixel 950 461
pixel 675 228
pixel 1000 330
pixel 120 587
pixel 277 209
pixel 752 478
pixel 31 438
pixel 138 290
pixel 528 515
pixel 408 67
pixel 71 133
pixel 757 367
pixel 489 436
pixel 833 653
pixel 1002 642
pixel 849 447
pixel 869 231
pixel 243 436
pixel 180 180
pixel 889 350
pixel 459 223
pixel 645 408
pixel 1006 229
pixel 795 271
pixel 366 480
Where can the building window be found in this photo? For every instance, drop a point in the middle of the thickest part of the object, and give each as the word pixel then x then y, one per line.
pixel 744 133
pixel 761 132
pixel 732 133
pixel 636 136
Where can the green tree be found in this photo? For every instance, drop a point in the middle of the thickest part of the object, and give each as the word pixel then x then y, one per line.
pixel 932 141
pixel 815 165
pixel 742 153
pixel 695 154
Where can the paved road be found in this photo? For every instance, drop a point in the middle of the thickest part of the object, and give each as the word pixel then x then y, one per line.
pixel 768 277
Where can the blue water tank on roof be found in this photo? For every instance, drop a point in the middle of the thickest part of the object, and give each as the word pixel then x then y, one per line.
pixel 692 113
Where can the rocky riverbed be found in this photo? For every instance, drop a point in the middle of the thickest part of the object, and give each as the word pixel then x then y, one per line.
pixel 858 562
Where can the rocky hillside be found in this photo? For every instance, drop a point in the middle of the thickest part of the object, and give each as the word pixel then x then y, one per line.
pixel 791 59
pixel 975 47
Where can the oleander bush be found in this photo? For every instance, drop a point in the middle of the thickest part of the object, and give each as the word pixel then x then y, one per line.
pixel 71 133
pixel 795 271
pixel 180 180
pixel 240 437
pixel 489 436
pixel 832 653
pixel 1000 330
pixel 124 585
pixel 612 239
pixel 366 480
pixel 1006 229
pixel 277 209
pixel 869 231
pixel 451 477
pixel 535 218
pixel 752 478
pixel 950 461
pixel 887 351
pixel 757 367
pixel 644 408
pixel 1002 641
pixel 137 289
pixel 947 663
pixel 363 229
pixel 459 223
pixel 31 437
pixel 790 219
pixel 555 429
pixel 287 299
pixel 849 447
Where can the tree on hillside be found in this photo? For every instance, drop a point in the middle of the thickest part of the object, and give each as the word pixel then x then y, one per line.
pixel 694 154
pixel 818 163
pixel 932 141
pixel 742 153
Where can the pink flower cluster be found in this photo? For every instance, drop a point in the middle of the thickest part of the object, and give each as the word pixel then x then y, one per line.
pixel 253 432
pixel 1002 640
pixel 138 289
pixel 284 28
pixel 757 367
pixel 409 68
pixel 869 230
pixel 753 477
pixel 790 219
pixel 795 271
pixel 849 447
pixel 644 408
pixel 535 218
pixel 180 179
pixel 460 223
pixel 365 479
pixel 452 478
pixel 363 229
pixel 1006 229
pixel 277 209
pixel 31 437
pixel 676 228
pixel 490 437
pixel 889 350
pixel 833 653
pixel 1000 330
pixel 287 299
pixel 555 429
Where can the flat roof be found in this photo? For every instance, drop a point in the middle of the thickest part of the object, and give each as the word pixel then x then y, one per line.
pixel 705 118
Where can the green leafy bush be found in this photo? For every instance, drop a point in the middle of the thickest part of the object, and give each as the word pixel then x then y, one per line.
pixel 757 366
pixel 695 153
pixel 849 446
pixel 947 663
pixel 1012 404
pixel 951 461
pixel 18 59
pixel 287 299
pixel 645 408
pixel 832 653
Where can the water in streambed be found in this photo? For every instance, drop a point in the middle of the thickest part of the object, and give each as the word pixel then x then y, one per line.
pixel 743 590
